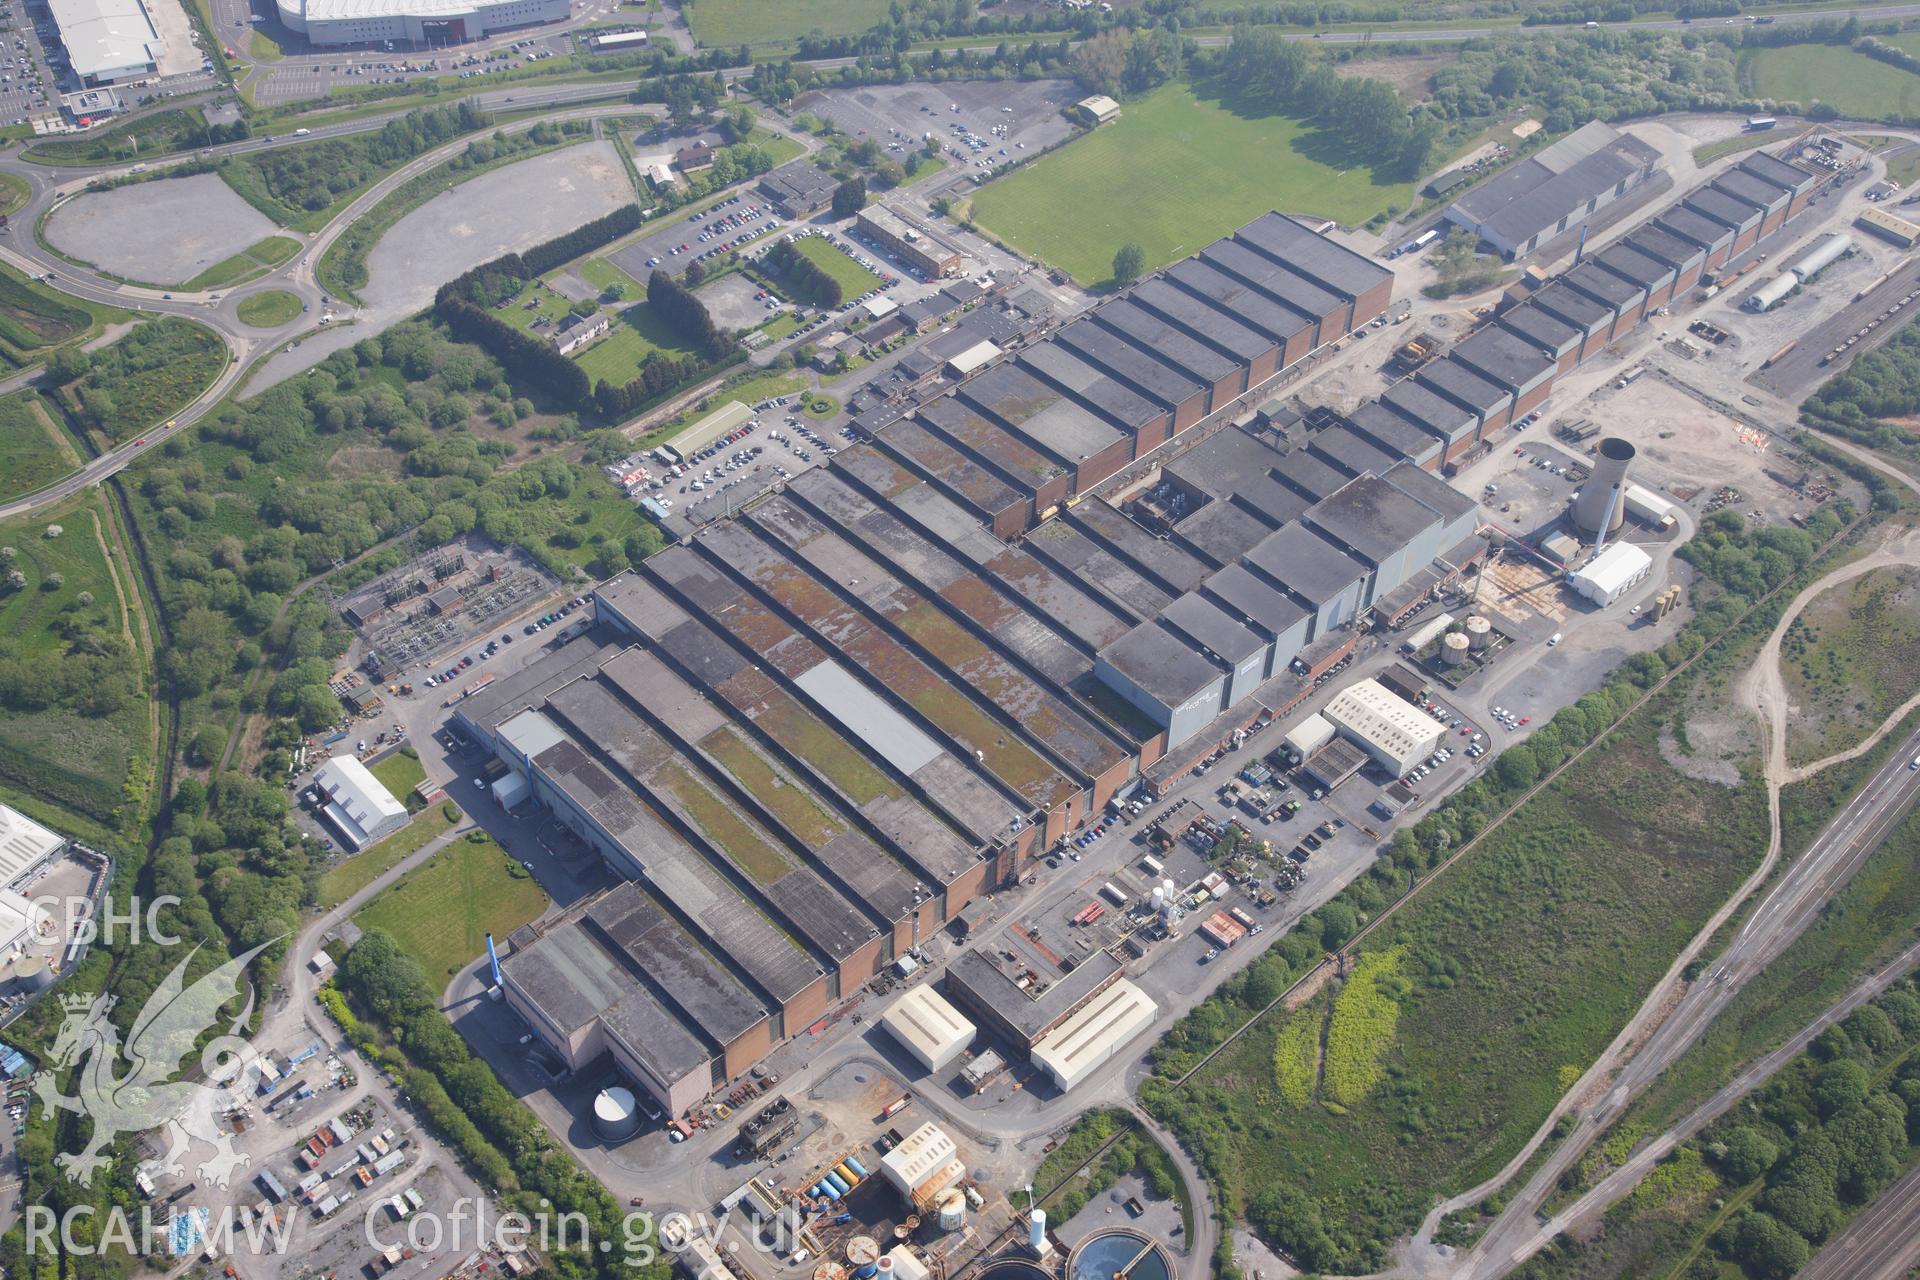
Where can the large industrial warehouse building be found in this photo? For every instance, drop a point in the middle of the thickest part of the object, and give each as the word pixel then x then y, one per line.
pixel 810 734
pixel 1554 191
pixel 421 23
pixel 106 40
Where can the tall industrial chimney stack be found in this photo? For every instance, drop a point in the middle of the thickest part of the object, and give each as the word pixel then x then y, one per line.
pixel 1602 504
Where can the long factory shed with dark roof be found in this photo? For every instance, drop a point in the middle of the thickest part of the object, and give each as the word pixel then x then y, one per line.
pixel 1027 435
pixel 808 736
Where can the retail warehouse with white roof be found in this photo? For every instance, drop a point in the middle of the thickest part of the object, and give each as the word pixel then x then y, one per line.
pixel 426 23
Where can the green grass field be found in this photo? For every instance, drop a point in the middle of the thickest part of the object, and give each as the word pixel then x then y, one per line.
pixel 14 193
pixel 635 335
pixel 32 453
pixel 1846 661
pixel 1177 170
pixel 361 870
pixel 1519 966
pixel 854 279
pixel 1854 83
pixel 441 913
pixel 269 309
pixel 400 773
pixel 74 760
pixel 248 263
pixel 724 23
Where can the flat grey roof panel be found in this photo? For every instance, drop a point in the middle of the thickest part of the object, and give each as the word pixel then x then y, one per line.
pixel 1222 531
pixel 1609 288
pixel 1372 519
pixel 1203 622
pixel 1310 566
pixel 1215 326
pixel 987 492
pixel 1308 475
pixel 1664 246
pixel 1695 228
pixel 1540 330
pixel 1633 266
pixel 1456 380
pixel 963 425
pixel 1165 665
pixel 1571 306
pixel 1312 255
pixel 1745 186
pixel 1241 591
pixel 1723 208
pixel 1507 358
pixel 1150 333
pixel 1298 292
pixel 1166 561
pixel 1393 433
pixel 1114 402
pixel 1430 410
pixel 1098 570
pixel 1253 309
pixel 1781 173
pixel 1430 490
pixel 887 733
pixel 697 983
pixel 1107 351
pixel 1219 464
pixel 1352 452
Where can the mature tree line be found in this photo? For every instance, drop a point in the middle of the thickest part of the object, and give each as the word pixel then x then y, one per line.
pixel 313 175
pixel 396 1020
pixel 804 278
pixel 1282 75
pixel 1125 60
pixel 687 316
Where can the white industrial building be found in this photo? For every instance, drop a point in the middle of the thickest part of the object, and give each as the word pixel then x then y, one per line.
pixel 430 23
pixel 1092 1036
pixel 25 846
pixel 928 1027
pixel 924 1164
pixel 1307 737
pixel 1613 573
pixel 17 919
pixel 106 40
pixel 1392 730
pixel 360 808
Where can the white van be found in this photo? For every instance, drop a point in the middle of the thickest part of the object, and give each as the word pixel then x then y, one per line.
pixel 1553 640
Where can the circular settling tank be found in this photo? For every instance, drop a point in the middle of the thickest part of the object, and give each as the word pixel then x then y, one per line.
pixel 1117 1253
pixel 1014 1269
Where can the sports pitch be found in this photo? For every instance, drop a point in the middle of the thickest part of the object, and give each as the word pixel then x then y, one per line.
pixel 1176 171
pixel 723 23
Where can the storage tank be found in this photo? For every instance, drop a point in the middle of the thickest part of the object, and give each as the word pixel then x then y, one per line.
pixel 33 974
pixel 1159 898
pixel 1822 256
pixel 1037 1231
pixel 883 1270
pixel 1770 293
pixel 1453 649
pixel 829 1270
pixel 951 1208
pixel 1605 491
pixel 1167 884
pixel 863 1257
pixel 1479 632
pixel 615 1116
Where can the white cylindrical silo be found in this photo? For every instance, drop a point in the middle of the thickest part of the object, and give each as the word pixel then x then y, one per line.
pixel 1479 632
pixel 1159 897
pixel 1453 649
pixel 1037 1231
pixel 951 1206
pixel 614 1114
